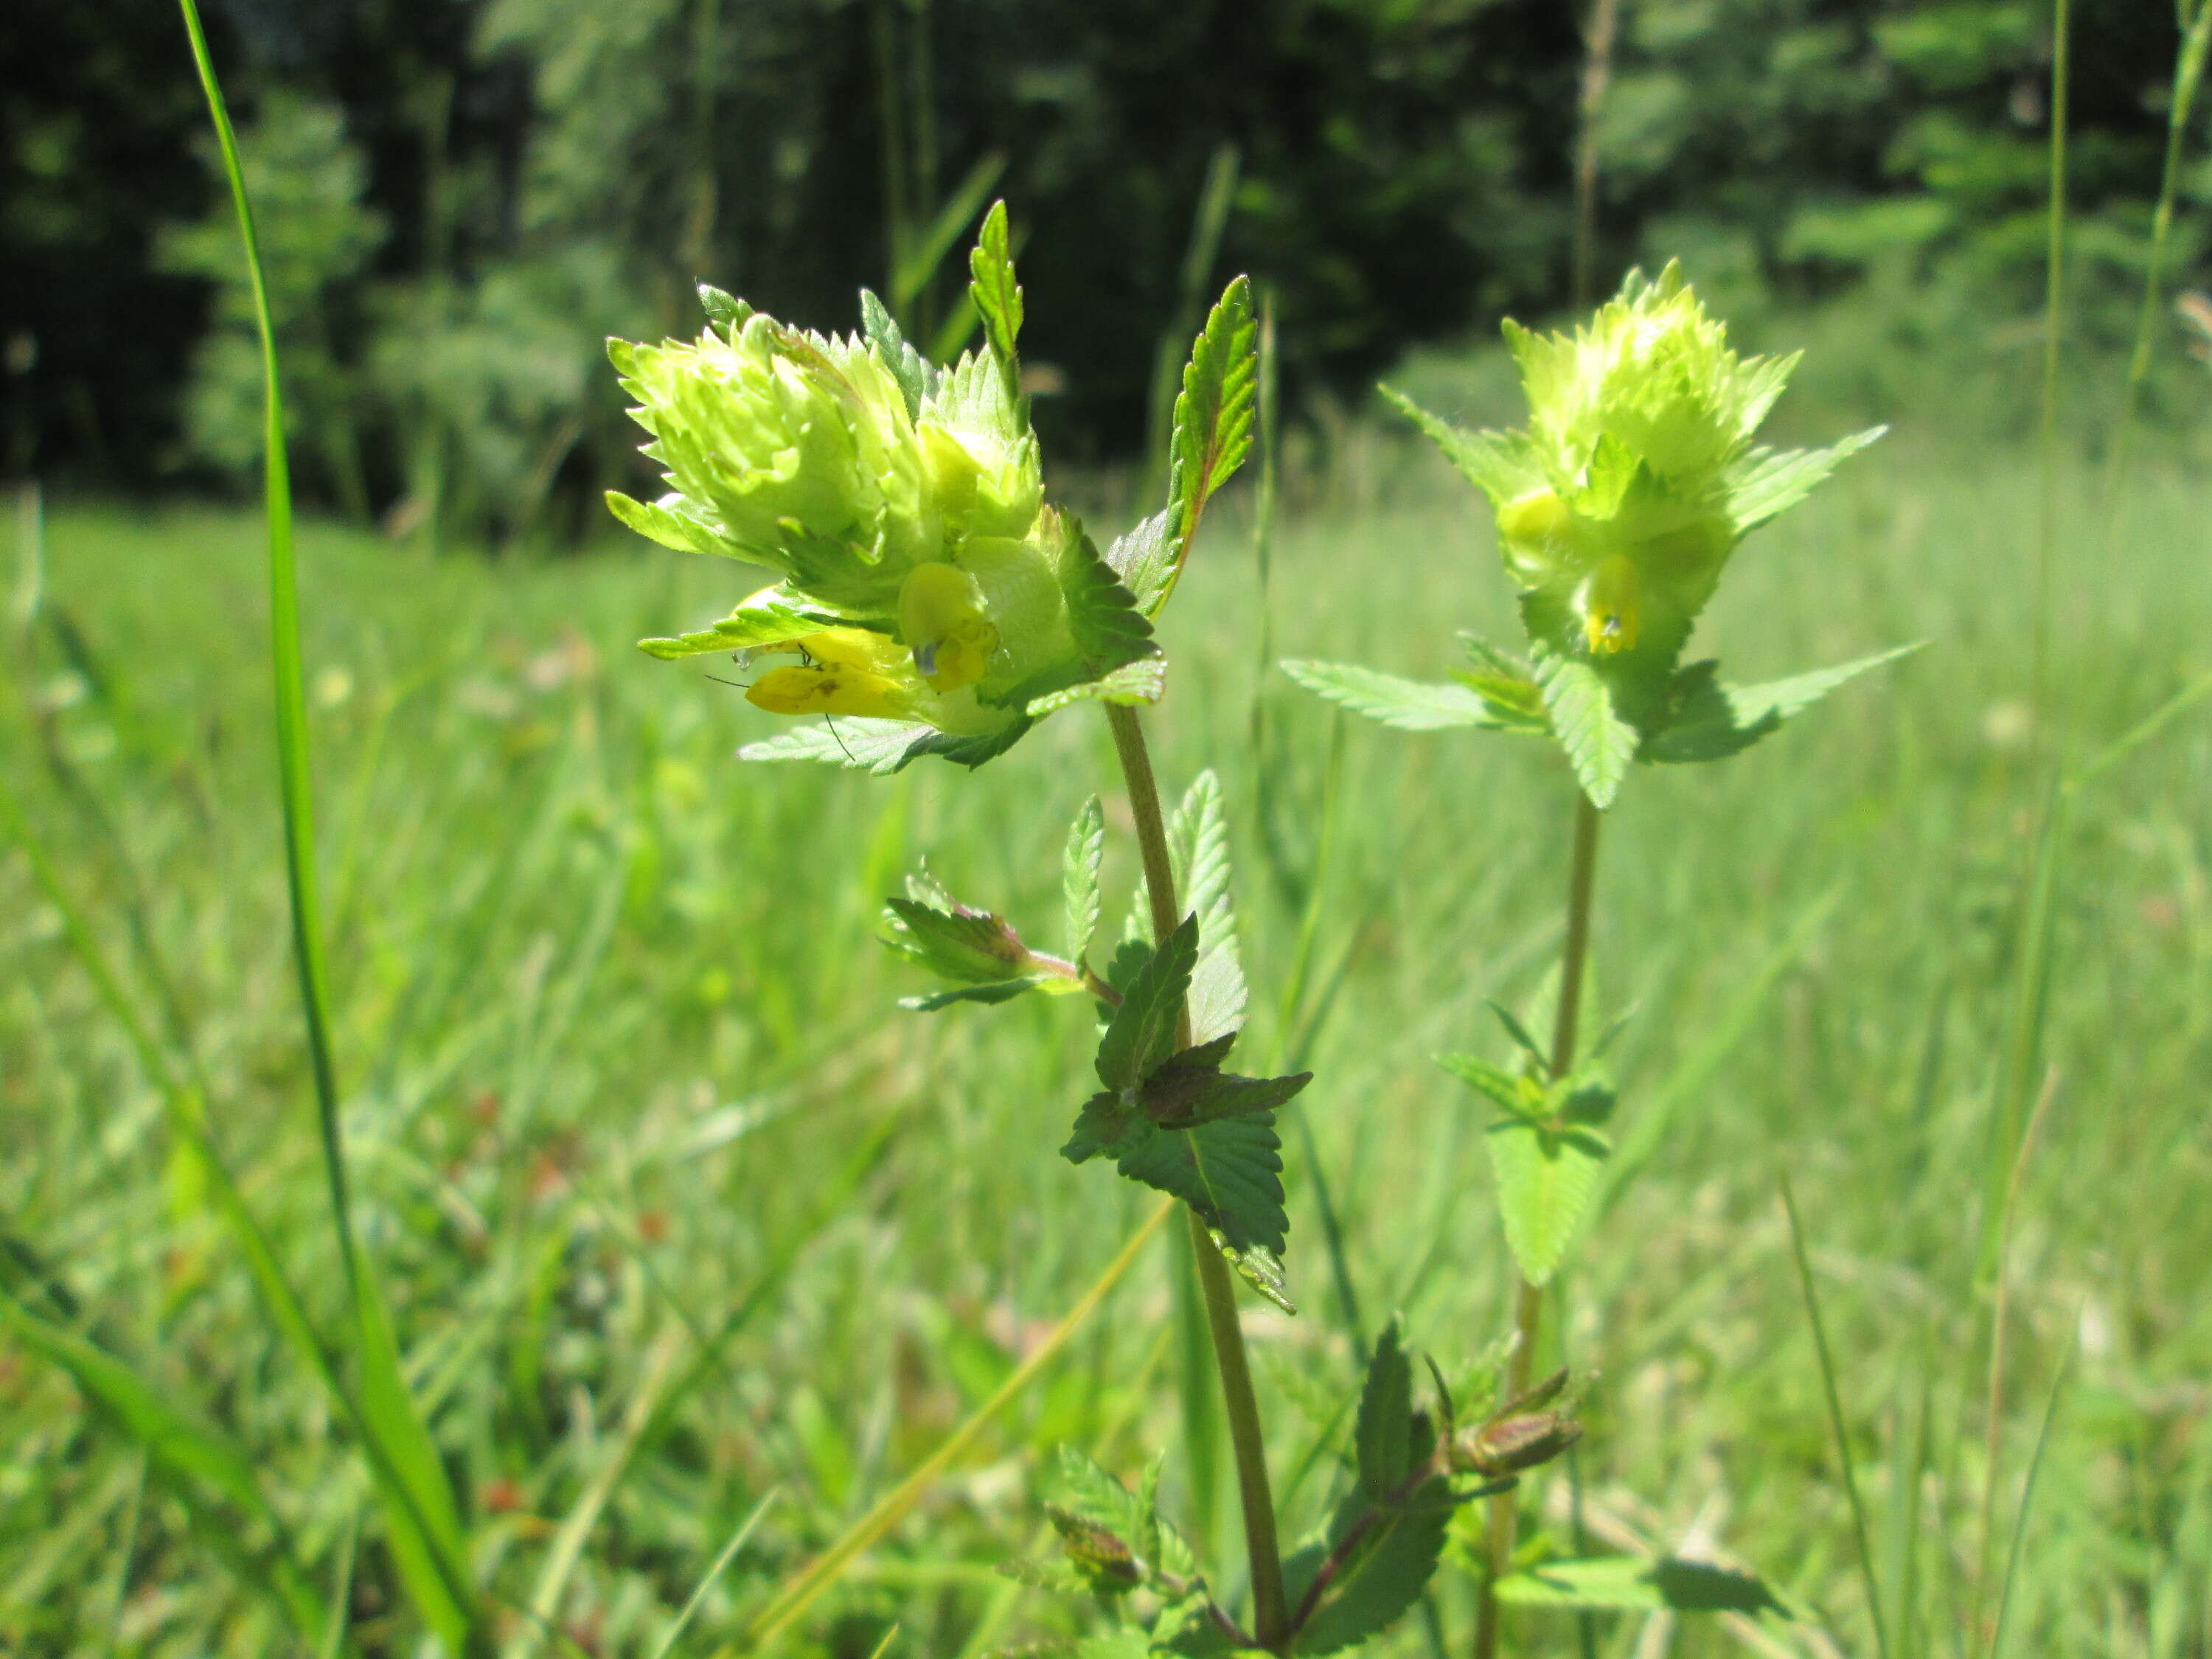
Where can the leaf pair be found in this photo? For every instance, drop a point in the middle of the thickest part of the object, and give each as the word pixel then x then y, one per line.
pixel 1172 1119
pixel 1572 700
pixel 1547 1151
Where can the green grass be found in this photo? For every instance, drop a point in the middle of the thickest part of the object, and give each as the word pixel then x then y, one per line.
pixel 620 1071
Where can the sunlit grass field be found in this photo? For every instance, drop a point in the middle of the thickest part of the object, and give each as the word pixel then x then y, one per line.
pixel 676 1208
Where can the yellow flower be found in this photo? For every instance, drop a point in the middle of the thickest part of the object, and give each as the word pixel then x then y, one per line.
pixel 943 617
pixel 841 671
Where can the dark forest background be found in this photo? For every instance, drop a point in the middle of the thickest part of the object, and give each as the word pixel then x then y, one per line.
pixel 460 198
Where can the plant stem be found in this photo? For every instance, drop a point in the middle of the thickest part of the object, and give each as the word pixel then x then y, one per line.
pixel 1528 1310
pixel 1271 1611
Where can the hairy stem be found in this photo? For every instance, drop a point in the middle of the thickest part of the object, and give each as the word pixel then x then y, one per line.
pixel 1270 1609
pixel 1529 1312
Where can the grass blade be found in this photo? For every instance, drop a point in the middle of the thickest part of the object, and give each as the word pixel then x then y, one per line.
pixel 1836 1422
pixel 421 1513
pixel 2027 1492
pixel 193 1457
pixel 698 1598
pixel 799 1594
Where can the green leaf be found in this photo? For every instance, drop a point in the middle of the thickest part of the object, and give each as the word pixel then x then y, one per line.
pixel 1005 990
pixel 916 379
pixel 1406 705
pixel 1546 1175
pixel 1214 419
pixel 1109 631
pixel 1197 845
pixel 1230 1171
pixel 1501 465
pixel 1635 1583
pixel 880 747
pixel 725 311
pixel 1766 483
pixel 672 522
pixel 973 946
pixel 1140 1036
pixel 1521 1040
pixel 1143 681
pixel 1385 1576
pixel 997 296
pixel 1599 742
pixel 1385 1433
pixel 1192 1089
pixel 1709 721
pixel 771 617
pixel 1079 865
pixel 1142 555
pixel 1494 1082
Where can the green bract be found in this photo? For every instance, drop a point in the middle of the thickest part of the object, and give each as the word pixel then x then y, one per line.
pixel 1617 506
pixel 924 582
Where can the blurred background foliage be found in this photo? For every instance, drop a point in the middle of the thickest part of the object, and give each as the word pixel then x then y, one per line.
pixel 463 196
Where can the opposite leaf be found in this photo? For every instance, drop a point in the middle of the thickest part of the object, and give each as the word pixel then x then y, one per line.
pixel 1386 1418
pixel 1546 1173
pixel 1385 1575
pixel 1709 722
pixel 1408 705
pixel 1086 850
pixel 1214 419
pixel 1599 742
pixel 1140 1036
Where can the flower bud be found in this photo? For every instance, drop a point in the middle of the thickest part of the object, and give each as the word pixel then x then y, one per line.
pixel 1510 1445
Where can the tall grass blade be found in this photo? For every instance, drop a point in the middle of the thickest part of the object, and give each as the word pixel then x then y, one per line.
pixel 2188 77
pixel 674 1633
pixel 421 1513
pixel 2054 311
pixel 2027 1491
pixel 192 1456
pixel 1835 1423
pixel 799 1594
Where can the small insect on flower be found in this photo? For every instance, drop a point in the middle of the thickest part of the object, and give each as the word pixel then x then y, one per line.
pixel 840 670
pixel 941 612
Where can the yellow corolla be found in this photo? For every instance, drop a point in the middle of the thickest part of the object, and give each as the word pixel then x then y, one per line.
pixel 841 671
pixel 1612 616
pixel 942 615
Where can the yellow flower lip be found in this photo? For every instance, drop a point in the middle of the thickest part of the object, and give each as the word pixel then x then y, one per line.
pixel 839 673
pixel 1612 613
pixel 944 620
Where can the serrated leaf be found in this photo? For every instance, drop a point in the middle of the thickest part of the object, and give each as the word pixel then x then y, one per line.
pixel 726 311
pixel 1198 846
pixel 973 946
pixel 1384 1438
pixel 1141 1035
pixel 1599 742
pixel 1005 990
pixel 997 296
pixel 1545 1175
pixel 771 617
pixel 1108 633
pixel 880 747
pixel 1766 483
pixel 1192 1089
pixel 908 367
pixel 1141 682
pixel 1141 556
pixel 672 522
pixel 1494 1082
pixel 1709 722
pixel 1385 1576
pixel 1213 420
pixel 1045 1573
pixel 1635 1583
pixel 1078 881
pixel 1230 1171
pixel 1501 465
pixel 1521 1040
pixel 1406 705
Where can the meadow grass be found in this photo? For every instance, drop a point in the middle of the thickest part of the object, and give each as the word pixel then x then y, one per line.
pixel 674 1209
